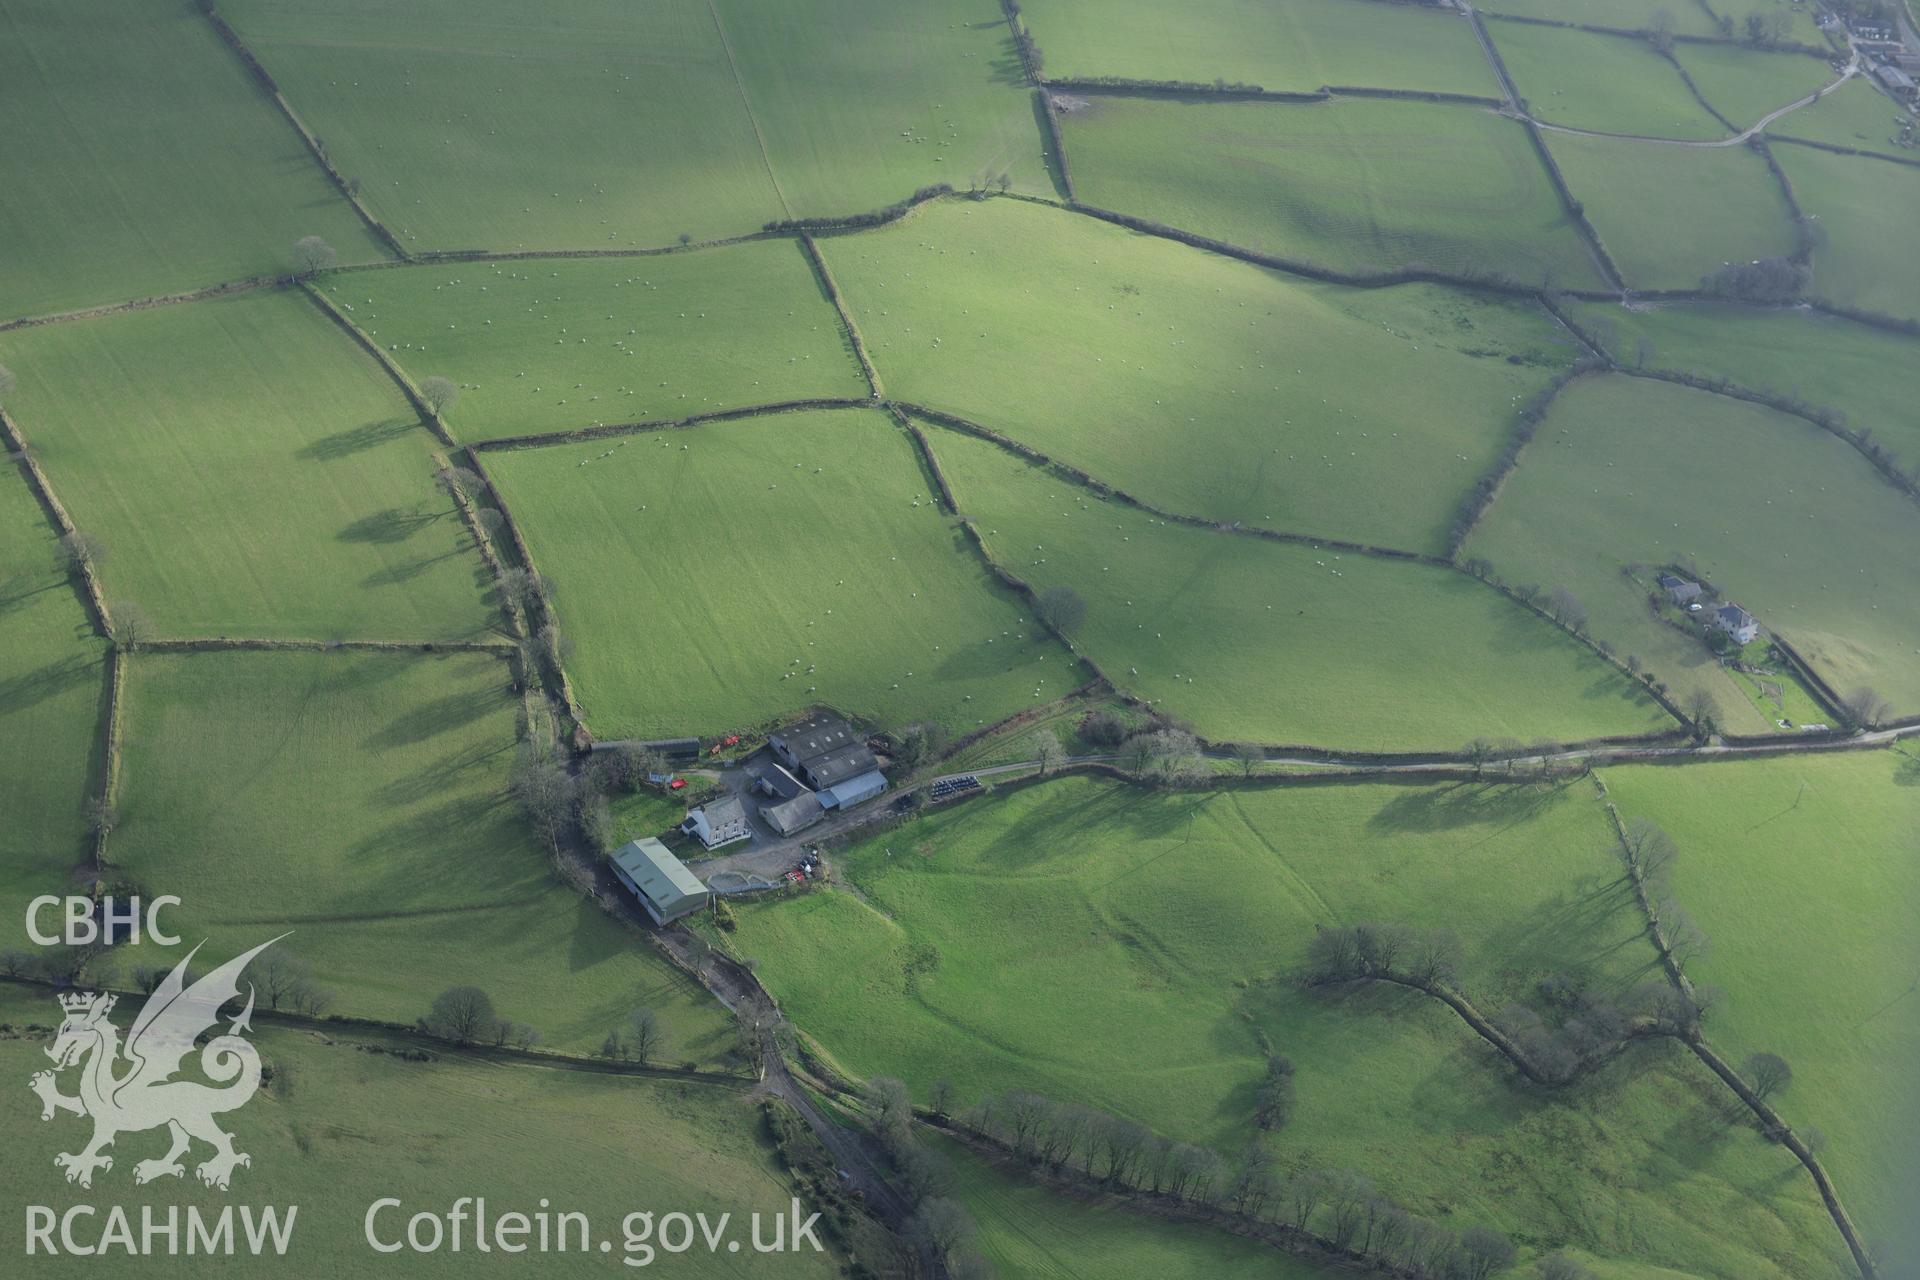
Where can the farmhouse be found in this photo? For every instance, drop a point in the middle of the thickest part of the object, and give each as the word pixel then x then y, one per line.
pixel 1679 589
pixel 1739 625
pixel 662 883
pixel 721 822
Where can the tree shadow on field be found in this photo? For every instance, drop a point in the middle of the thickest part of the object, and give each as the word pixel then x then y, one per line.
pixel 1907 772
pixel 17 693
pixel 443 774
pixel 20 587
pixel 430 719
pixel 1462 804
pixel 395 574
pixel 354 440
pixel 394 524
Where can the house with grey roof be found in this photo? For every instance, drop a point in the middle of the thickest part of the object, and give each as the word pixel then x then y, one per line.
pixel 718 822
pixel 1678 589
pixel 1741 627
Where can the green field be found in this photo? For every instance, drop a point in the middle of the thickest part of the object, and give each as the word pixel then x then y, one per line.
pixel 1031 1233
pixel 1745 85
pixel 52 687
pixel 340 1127
pixel 860 105
pixel 1301 45
pixel 1869 375
pixel 141 158
pixel 359 801
pixel 1778 514
pixel 1356 185
pixel 1093 942
pixel 718 578
pixel 1670 215
pixel 1860 206
pixel 1269 642
pixel 550 346
pixel 1608 84
pixel 250 472
pixel 1854 115
pixel 481 124
pixel 1808 910
pixel 1200 383
pixel 1630 15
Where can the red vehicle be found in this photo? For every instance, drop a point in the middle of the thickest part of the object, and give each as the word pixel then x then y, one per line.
pixel 676 784
pixel 731 740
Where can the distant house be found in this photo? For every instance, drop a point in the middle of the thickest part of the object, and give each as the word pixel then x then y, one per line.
pixel 721 822
pixel 1739 625
pixel 1679 589
pixel 795 814
pixel 823 751
pixel 662 883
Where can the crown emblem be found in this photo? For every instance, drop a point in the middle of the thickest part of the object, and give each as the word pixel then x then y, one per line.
pixel 85 1001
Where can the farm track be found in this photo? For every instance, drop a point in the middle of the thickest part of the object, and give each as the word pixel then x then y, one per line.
pixel 1738 139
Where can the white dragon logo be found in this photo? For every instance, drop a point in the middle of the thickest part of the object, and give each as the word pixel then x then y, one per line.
pixel 146 1096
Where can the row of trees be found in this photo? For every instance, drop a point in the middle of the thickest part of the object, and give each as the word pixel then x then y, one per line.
pixel 939 1221
pixel 1333 1209
pixel 465 1015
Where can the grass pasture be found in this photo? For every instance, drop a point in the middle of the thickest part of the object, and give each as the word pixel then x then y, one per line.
pixel 1358 185
pixel 1670 215
pixel 863 103
pixel 1808 911
pixel 141 158
pixel 1860 206
pixel 1094 942
pixel 550 346
pixel 585 124
pixel 1778 514
pixel 339 1127
pixel 1608 84
pixel 1745 84
pixel 1030 1233
pixel 1854 115
pixel 359 801
pixel 716 578
pixel 1869 375
pixel 52 695
pixel 1253 640
pixel 1189 379
pixel 1298 46
pixel 1629 15
pixel 250 471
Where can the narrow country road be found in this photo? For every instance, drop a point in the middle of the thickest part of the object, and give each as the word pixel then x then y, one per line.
pixel 1513 112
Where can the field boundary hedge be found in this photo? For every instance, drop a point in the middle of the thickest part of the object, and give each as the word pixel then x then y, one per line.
pixel 112 727
pixel 1479 499
pixel 428 418
pixel 607 430
pixel 143 304
pixel 1575 208
pixel 263 644
pixel 824 274
pixel 95 599
pixel 315 147
pixel 1788 46
pixel 1694 89
pixel 1840 150
pixel 1802 225
pixel 1086 480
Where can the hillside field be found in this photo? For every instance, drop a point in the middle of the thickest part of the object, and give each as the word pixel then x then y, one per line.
pixel 344 1122
pixel 1860 206
pixel 249 471
pixel 358 801
pixel 1869 375
pixel 552 346
pixel 716 578
pixel 1090 941
pixel 1670 215
pixel 1745 84
pixel 1854 115
pixel 141 158
pixel 52 695
pixel 1627 470
pixel 1298 46
pixel 1204 385
pixel 1608 84
pixel 1807 919
pixel 1255 640
pixel 1355 185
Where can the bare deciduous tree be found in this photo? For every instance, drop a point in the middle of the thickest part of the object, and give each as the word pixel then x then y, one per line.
pixel 1768 1073
pixel 439 393
pixel 1048 751
pixel 461 1014
pixel 311 254
pixel 1866 706
pixel 78 550
pixel 1062 608
pixel 643 1035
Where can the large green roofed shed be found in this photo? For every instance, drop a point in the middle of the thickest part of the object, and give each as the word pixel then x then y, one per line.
pixel 661 881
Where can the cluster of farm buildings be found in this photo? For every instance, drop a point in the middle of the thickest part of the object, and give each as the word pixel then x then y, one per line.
pixel 1736 623
pixel 806 771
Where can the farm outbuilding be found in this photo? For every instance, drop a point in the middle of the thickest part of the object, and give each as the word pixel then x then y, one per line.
pixel 796 814
pixel 662 883
pixel 824 751
pixel 721 822
pixel 855 790
pixel 1679 589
